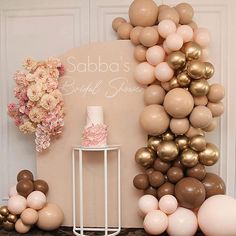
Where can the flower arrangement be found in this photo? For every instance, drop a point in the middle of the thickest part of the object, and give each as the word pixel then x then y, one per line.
pixel 40 107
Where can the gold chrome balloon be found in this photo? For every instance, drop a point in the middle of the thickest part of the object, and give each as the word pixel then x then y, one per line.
pixel 183 79
pixel 167 151
pixel 2 218
pixel 182 142
pixel 199 87
pixel 209 70
pixel 168 136
pixel 192 51
pixel 12 218
pixel 210 155
pixel 189 158
pixel 8 226
pixel 198 143
pixel 196 69
pixel 145 157
pixel 176 60
pixel 4 211
pixel 153 142
pixel 174 83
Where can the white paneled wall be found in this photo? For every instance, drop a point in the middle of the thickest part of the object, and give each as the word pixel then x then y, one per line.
pixel 44 28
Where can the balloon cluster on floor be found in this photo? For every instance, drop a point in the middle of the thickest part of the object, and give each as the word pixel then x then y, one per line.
pixel 27 206
pixel 181 105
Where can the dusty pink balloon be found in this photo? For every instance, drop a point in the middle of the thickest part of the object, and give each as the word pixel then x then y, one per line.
pixel 154 94
pixel 163 72
pixel 16 204
pixel 155 55
pixel 185 32
pixel 168 204
pixel 12 191
pixel 166 27
pixel 174 42
pixel 155 222
pixel 183 222
pixel 36 200
pixel 147 203
pixel 144 73
pixel 202 37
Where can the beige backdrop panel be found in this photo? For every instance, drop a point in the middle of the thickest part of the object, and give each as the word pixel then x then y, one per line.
pixel 97 74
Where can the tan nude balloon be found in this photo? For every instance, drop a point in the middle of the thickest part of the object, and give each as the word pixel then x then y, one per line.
pixel 193 132
pixel 200 101
pixel 134 35
pixel 211 126
pixel 124 30
pixel 140 53
pixel 179 126
pixel 186 13
pixel 154 94
pixel 148 36
pixel 169 13
pixel 217 109
pixel 216 93
pixel 117 22
pixel 200 117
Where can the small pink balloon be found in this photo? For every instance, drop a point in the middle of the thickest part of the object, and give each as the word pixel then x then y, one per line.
pixel 185 32
pixel 202 37
pixel 36 200
pixel 167 50
pixel 174 42
pixel 163 72
pixel 144 73
pixel 166 27
pixel 182 222
pixel 16 204
pixel 12 191
pixel 155 55
pixel 147 203
pixel 155 222
pixel 168 204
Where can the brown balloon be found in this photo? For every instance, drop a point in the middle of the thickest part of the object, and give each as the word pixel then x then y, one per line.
pixel 213 184
pixel 176 60
pixel 41 185
pixel 175 174
pixel 190 193
pixel 25 187
pixel 141 181
pixel 145 157
pixel 4 211
pixel 177 163
pixel 197 172
pixel 161 166
pixel 8 226
pixel 210 155
pixel 156 179
pixel 149 171
pixel 153 143
pixel 12 218
pixel 151 191
pixel 165 189
pixel 25 174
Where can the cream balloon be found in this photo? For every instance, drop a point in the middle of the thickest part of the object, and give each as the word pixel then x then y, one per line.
pixel 166 27
pixel 179 126
pixel 185 32
pixel 16 204
pixel 163 72
pixel 154 94
pixel 155 55
pixel 168 204
pixel 147 203
pixel 200 117
pixel 174 42
pixel 36 200
pixel 202 37
pixel 144 73
pixel 167 50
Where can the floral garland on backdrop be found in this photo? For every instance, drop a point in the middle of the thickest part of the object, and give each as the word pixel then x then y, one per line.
pixel 40 107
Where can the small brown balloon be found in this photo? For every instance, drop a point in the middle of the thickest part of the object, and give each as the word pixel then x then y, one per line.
pixel 197 172
pixel 210 155
pixel 174 83
pixel 156 179
pixel 12 218
pixel 4 211
pixel 41 185
pixel 141 181
pixel 190 193
pixel 176 60
pixel 186 13
pixel 25 187
pixel 117 22
pixel 196 69
pixel 124 30
pixel 198 143
pixel 153 142
pixel 182 142
pixel 189 158
pixel 177 163
pixel 134 35
pixel 192 51
pixel 199 87
pixel 169 13
pixel 213 184
pixel 8 226
pixel 209 70
pixel 161 166
pixel 175 174
pixel 25 174
pixel 149 171
pixel 167 151
pixel 168 136
pixel 145 157
pixel 183 79
pixel 165 189
pixel 217 109
pixel 151 191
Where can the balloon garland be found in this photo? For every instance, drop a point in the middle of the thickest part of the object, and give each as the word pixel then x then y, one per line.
pixel 181 105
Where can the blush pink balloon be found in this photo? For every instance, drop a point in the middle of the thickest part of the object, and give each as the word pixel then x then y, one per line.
pixel 166 27
pixel 167 50
pixel 216 216
pixel 155 55
pixel 155 222
pixel 186 32
pixel 174 42
pixel 16 204
pixel 168 204
pixel 12 191
pixel 36 200
pixel 202 37
pixel 163 72
pixel 183 222
pixel 144 73
pixel 147 203
pixel 205 54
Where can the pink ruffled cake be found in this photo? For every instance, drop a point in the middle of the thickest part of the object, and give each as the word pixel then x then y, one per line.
pixel 95 131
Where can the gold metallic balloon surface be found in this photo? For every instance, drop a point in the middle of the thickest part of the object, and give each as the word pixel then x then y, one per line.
pixel 192 51
pixel 4 211
pixel 8 226
pixel 189 158
pixel 145 157
pixel 176 60
pixel 183 79
pixel 210 155
pixel 209 70
pixel 167 151
pixel 12 218
pixel 198 143
pixel 168 136
pixel 174 83
pixel 2 218
pixel 182 142
pixel 199 87
pixel 153 142
pixel 196 69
